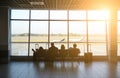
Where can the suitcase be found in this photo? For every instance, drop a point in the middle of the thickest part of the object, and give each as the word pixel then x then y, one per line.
pixel 88 55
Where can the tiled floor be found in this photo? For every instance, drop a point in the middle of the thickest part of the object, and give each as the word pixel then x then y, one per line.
pixel 60 70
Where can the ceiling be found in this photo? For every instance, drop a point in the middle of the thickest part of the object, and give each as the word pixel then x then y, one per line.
pixel 62 4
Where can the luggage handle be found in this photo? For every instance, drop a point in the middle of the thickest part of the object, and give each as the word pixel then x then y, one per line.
pixel 36 46
pixel 89 47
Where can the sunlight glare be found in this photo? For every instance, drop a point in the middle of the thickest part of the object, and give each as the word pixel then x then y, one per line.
pixel 106 14
pixel 97 27
pixel 98 15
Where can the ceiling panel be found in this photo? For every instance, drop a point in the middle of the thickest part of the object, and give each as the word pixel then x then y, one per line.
pixel 62 4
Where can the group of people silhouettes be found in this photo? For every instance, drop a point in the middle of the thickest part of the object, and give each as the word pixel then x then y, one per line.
pixel 54 52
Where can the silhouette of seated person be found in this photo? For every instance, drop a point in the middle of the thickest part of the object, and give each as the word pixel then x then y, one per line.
pixel 62 51
pixel 35 52
pixel 38 53
pixel 41 52
pixel 52 51
pixel 74 52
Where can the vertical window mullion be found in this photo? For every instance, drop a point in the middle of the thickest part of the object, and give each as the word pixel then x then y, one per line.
pixel 48 28
pixel 29 32
pixel 68 28
pixel 106 35
pixel 87 31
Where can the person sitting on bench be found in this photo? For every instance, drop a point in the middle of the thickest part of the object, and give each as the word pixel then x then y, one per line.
pixel 74 52
pixel 52 51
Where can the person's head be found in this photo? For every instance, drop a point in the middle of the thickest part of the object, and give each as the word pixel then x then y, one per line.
pixel 62 46
pixel 52 44
pixel 40 48
pixel 74 45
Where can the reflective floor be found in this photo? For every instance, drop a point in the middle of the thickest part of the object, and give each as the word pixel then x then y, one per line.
pixel 60 70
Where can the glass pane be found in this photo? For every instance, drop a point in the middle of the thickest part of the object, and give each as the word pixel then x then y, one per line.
pixel 96 31
pixel 81 46
pixel 19 14
pixel 118 31
pixel 98 15
pixel 77 31
pixel 36 46
pixel 98 49
pixel 58 14
pixel 118 15
pixel 118 40
pixel 39 31
pixel 118 50
pixel 19 49
pixel 58 31
pixel 39 14
pixel 19 31
pixel 77 15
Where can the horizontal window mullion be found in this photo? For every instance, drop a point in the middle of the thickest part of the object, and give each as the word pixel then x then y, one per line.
pixel 19 19
pixel 50 20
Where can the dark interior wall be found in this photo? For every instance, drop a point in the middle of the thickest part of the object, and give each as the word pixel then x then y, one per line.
pixel 4 32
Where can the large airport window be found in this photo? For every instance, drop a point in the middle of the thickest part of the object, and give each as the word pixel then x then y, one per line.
pixel 67 27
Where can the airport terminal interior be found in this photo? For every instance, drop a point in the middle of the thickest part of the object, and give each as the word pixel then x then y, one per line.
pixel 59 39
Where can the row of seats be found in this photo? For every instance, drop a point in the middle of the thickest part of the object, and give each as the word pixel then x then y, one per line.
pixel 37 55
pixel 53 52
